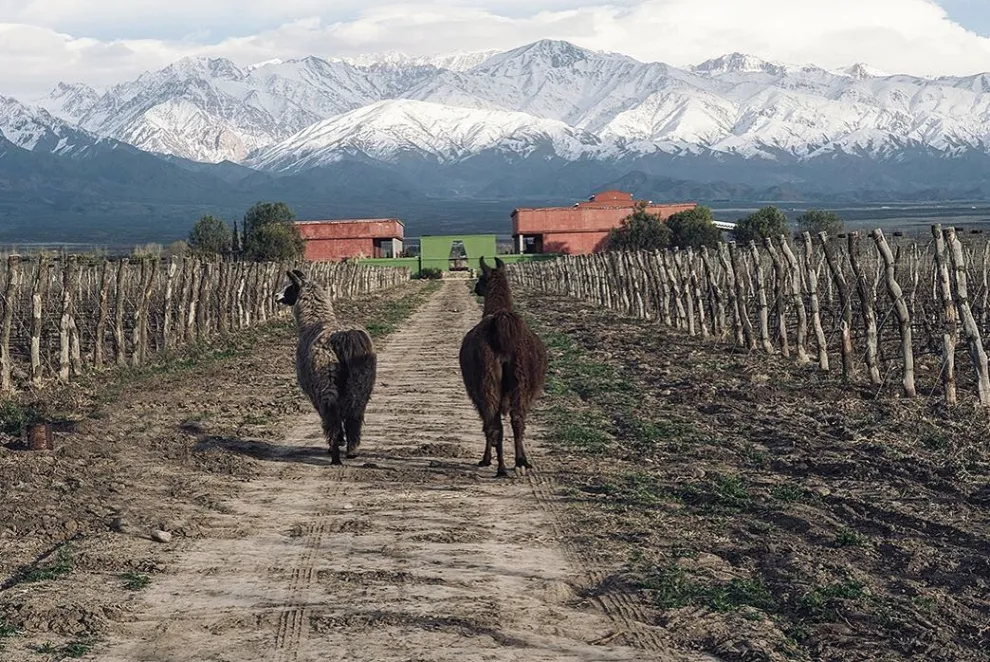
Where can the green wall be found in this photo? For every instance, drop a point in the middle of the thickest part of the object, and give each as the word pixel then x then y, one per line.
pixel 434 250
pixel 475 251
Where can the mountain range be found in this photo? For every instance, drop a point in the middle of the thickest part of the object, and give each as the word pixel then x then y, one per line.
pixel 457 140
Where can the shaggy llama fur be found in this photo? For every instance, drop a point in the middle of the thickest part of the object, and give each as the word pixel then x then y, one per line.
pixel 335 366
pixel 503 364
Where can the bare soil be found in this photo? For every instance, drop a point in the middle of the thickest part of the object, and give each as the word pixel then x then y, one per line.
pixel 762 510
pixel 410 552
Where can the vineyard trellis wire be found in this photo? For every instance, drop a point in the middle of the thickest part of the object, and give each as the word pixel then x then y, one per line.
pixel 62 316
pixel 816 299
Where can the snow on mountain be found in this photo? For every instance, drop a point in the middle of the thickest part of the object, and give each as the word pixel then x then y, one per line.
pixel 460 61
pixel 552 80
pixel 70 102
pixel 388 130
pixel 573 100
pixel 738 63
pixel 35 129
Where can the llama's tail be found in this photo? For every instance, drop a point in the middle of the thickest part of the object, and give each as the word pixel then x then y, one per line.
pixel 358 369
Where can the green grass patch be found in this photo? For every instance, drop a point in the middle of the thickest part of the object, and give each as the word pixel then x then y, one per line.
pixel 135 581
pixel 640 489
pixel 822 603
pixel 722 494
pixel 13 417
pixel 788 493
pixel 58 566
pixel 671 587
pixel 47 648
pixel 581 437
pixel 850 538
pixel 78 648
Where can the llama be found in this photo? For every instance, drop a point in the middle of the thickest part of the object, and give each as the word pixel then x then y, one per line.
pixel 503 364
pixel 335 366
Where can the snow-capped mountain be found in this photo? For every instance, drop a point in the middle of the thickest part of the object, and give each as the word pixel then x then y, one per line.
pixel 389 130
pixel 551 99
pixel 35 129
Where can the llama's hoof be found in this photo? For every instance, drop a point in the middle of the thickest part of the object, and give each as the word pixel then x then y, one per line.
pixel 501 473
pixel 336 461
pixel 485 463
pixel 523 463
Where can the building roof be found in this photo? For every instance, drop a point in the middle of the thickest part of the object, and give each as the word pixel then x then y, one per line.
pixel 352 220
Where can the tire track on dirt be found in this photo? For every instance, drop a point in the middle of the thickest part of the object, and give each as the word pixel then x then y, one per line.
pixel 410 552
pixel 293 623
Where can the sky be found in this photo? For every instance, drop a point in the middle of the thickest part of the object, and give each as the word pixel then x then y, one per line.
pixel 102 42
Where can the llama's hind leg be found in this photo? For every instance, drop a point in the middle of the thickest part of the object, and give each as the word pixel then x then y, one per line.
pixel 518 430
pixel 352 431
pixel 493 437
pixel 334 433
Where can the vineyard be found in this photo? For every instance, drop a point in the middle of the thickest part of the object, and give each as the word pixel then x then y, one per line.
pixel 62 316
pixel 904 318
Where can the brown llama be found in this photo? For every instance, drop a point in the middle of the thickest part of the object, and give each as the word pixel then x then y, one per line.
pixel 503 364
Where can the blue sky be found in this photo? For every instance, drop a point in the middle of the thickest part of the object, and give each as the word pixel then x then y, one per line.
pixel 971 14
pixel 106 41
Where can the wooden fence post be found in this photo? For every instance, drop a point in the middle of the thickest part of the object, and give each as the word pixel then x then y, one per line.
pixel 866 308
pixel 11 295
pixel 950 327
pixel 38 294
pixel 741 298
pixel 103 315
pixel 732 290
pixel 901 310
pixel 119 340
pixel 69 268
pixel 168 339
pixel 796 279
pixel 779 296
pixel 843 290
pixel 814 303
pixel 761 299
pixel 972 332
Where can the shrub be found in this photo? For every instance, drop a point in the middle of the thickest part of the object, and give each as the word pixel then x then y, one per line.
pixel 210 236
pixel 641 230
pixel 766 222
pixel 693 228
pixel 817 220
pixel 430 273
pixel 268 233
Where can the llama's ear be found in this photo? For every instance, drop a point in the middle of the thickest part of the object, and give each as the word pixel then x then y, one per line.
pixel 485 269
pixel 499 263
pixel 296 277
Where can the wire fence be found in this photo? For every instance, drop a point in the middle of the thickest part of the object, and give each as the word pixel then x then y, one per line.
pixel 62 316
pixel 907 308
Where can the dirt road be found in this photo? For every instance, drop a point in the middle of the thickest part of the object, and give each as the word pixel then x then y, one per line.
pixel 409 552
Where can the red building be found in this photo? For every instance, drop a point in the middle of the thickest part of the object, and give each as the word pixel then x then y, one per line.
pixel 363 237
pixel 582 228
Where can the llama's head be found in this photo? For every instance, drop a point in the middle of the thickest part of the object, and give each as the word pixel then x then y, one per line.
pixel 290 294
pixel 491 280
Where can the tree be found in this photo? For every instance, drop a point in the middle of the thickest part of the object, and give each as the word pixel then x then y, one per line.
pixel 273 242
pixel 177 249
pixel 268 233
pixel 818 220
pixel 766 222
pixel 693 228
pixel 641 230
pixel 266 213
pixel 210 236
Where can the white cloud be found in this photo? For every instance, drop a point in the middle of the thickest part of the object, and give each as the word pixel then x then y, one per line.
pixel 913 36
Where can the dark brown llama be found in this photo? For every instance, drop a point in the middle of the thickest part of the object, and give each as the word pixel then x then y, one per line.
pixel 503 364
